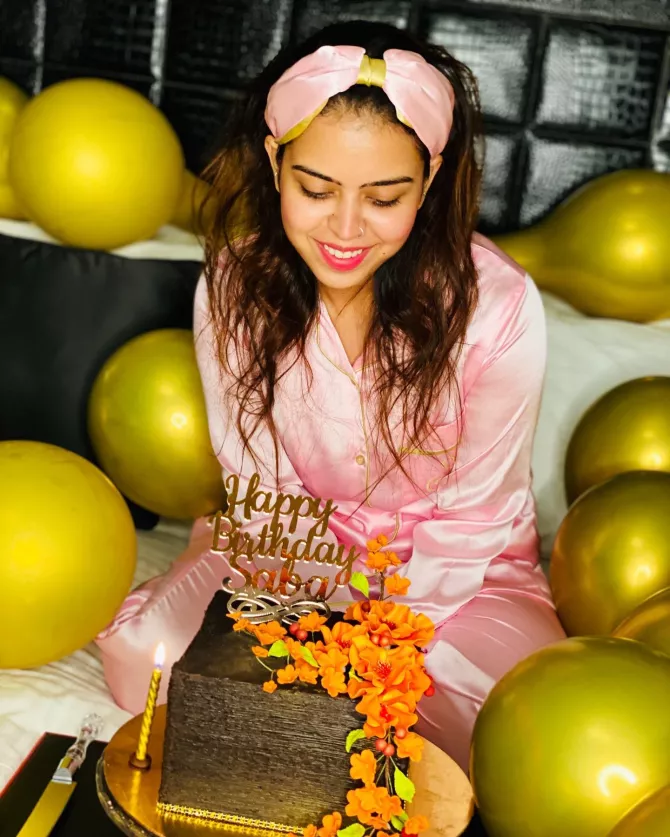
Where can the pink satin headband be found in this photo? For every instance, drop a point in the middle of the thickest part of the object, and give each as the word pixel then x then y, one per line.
pixel 422 96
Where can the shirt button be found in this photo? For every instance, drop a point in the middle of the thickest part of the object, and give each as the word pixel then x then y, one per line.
pixel 360 459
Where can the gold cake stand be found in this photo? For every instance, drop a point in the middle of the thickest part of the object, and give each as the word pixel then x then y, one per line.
pixel 130 797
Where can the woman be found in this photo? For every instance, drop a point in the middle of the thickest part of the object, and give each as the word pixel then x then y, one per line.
pixel 363 343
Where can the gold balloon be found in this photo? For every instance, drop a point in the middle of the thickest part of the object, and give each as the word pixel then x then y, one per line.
pixel 9 204
pixel 627 429
pixel 12 102
pixel 189 214
pixel 196 210
pixel 649 818
pixel 649 623
pixel 148 426
pixel 67 553
pixel 570 739
pixel 606 249
pixel 612 551
pixel 95 164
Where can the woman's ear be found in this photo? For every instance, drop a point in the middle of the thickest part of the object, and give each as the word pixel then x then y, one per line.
pixel 435 164
pixel 272 149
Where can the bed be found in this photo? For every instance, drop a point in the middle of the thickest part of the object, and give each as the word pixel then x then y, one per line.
pixel 586 358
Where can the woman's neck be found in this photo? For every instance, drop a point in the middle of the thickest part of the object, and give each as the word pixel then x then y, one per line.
pixel 351 314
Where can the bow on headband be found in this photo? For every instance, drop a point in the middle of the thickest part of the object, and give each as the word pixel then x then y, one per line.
pixel 422 96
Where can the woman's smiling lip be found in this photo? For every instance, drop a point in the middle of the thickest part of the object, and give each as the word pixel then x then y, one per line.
pixel 340 247
pixel 348 262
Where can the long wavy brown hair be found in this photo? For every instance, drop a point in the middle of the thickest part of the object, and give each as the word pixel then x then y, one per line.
pixel 264 303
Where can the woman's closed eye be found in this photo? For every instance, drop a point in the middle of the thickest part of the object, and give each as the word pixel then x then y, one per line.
pixel 319 196
pixel 379 202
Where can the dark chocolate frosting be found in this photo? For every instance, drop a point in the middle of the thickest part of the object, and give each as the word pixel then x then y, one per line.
pixel 232 748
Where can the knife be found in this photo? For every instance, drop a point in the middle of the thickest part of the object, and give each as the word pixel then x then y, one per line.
pixel 45 814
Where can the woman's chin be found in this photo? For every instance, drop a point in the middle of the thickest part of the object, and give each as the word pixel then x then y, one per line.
pixel 341 283
pixel 336 280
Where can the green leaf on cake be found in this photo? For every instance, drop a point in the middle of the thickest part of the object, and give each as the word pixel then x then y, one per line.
pixel 404 787
pixel 353 830
pixel 399 822
pixel 278 649
pixel 307 655
pixel 360 582
pixel 353 737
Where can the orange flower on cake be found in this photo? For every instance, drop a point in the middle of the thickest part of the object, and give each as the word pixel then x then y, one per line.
pixel 391 709
pixel 382 669
pixel 333 682
pixel 312 622
pixel 331 825
pixel 295 648
pixel 342 633
pixel 240 623
pixel 416 825
pixel 306 672
pixel 268 632
pixel 393 623
pixel 381 561
pixel 298 650
pixel 373 806
pixel 396 585
pixel 364 767
pixel 330 656
pixel 288 674
pixel 409 745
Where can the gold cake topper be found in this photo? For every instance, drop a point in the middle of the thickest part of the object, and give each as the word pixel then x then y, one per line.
pixel 269 594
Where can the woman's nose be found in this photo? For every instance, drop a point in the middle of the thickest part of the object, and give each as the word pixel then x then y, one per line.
pixel 346 222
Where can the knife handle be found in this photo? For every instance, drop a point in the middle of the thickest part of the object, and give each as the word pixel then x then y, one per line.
pixel 91 727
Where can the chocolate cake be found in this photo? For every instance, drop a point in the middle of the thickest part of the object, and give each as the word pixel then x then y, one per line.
pixel 236 753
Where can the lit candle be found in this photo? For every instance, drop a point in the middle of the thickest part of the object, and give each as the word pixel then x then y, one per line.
pixel 140 757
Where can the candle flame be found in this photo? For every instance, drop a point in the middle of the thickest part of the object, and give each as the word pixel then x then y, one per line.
pixel 159 656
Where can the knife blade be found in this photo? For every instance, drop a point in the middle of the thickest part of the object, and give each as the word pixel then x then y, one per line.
pixel 51 804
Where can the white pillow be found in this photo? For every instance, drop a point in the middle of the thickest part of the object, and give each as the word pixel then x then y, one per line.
pixel 587 357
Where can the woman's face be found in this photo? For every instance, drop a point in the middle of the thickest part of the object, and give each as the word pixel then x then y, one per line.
pixel 350 188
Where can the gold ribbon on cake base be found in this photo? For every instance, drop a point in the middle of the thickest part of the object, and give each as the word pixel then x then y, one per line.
pixel 130 796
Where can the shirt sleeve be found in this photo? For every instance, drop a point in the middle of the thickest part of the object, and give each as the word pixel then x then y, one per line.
pixel 488 490
pixel 261 475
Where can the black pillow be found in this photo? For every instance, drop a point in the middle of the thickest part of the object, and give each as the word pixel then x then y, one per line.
pixel 63 312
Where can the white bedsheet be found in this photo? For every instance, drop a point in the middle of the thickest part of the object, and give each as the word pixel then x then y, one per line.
pixel 586 358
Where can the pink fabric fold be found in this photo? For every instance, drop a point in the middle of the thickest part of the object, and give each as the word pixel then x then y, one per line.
pixel 421 95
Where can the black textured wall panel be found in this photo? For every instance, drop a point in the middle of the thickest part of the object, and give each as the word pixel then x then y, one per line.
pixel 570 89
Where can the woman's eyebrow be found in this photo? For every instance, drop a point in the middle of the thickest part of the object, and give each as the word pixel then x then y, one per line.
pixel 394 181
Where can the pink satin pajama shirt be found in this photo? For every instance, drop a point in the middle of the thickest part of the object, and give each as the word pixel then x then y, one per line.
pixel 464 527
